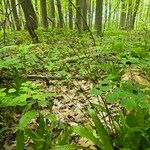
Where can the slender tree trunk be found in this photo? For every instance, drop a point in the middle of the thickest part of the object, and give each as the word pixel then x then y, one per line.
pixel 129 15
pixel 123 15
pixel 36 6
pixel 84 8
pixel 61 19
pixel 12 25
pixel 70 15
pixel 89 13
pixel 92 14
pixel 137 3
pixel 15 15
pixel 7 21
pixel 109 16
pixel 52 13
pixel 44 13
pixel 30 17
pixel 106 11
pixel 20 15
pixel 78 16
pixel 98 17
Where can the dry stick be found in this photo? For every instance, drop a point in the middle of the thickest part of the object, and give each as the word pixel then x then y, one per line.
pixel 94 42
pixel 110 116
pixel 103 115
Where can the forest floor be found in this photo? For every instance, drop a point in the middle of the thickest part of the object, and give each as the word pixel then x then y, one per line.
pixel 70 66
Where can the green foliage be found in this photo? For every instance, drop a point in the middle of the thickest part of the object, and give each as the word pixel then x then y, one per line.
pixel 132 124
pixel 46 136
pixel 28 94
pixel 63 55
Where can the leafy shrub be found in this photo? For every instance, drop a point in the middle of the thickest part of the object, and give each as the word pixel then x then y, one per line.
pixel 129 129
pixel 49 132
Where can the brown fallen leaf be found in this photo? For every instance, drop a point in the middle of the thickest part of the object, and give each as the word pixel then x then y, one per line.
pixel 136 76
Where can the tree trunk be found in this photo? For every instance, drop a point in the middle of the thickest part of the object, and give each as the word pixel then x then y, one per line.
pixel 98 17
pixel 36 6
pixel 137 3
pixel 78 16
pixel 123 15
pixel 12 24
pixel 52 13
pixel 61 19
pixel 15 15
pixel 89 13
pixel 109 16
pixel 129 15
pixel 70 15
pixel 84 9
pixel 92 14
pixel 44 13
pixel 106 12
pixel 30 17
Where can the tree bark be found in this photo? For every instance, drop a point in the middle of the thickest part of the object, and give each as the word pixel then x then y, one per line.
pixel 52 13
pixel 129 15
pixel 61 19
pixel 78 16
pixel 15 15
pixel 98 17
pixel 30 17
pixel 70 15
pixel 123 15
pixel 137 3
pixel 84 9
pixel 109 16
pixel 44 13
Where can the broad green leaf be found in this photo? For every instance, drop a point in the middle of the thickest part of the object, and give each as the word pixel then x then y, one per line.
pixel 20 140
pixel 135 120
pixel 128 104
pixel 95 91
pixel 144 104
pixel 34 136
pixel 26 119
pixel 112 97
pixel 12 91
pixel 102 132
pixel 51 117
pixel 84 132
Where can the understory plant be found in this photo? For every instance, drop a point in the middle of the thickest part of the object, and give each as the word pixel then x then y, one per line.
pixel 40 130
pixel 128 127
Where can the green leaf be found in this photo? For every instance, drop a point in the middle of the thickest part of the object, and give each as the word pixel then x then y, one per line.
pixel 26 119
pixel 51 117
pixel 19 100
pixel 102 132
pixel 135 120
pixel 112 97
pixel 20 140
pixel 99 107
pixel 129 104
pixel 12 91
pixel 144 104
pixel 34 136
pixel 84 132
pixel 95 92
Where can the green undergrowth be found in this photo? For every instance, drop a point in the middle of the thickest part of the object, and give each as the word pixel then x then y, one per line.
pixel 64 55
